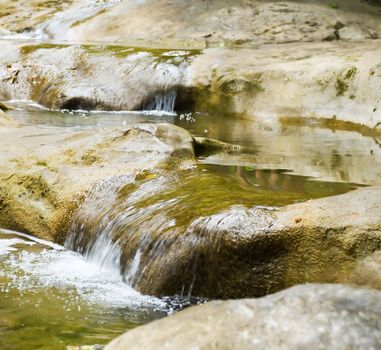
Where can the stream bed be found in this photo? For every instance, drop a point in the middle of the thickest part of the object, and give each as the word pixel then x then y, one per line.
pixel 52 297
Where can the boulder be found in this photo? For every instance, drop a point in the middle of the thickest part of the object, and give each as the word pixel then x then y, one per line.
pixel 322 81
pixel 198 24
pixel 298 81
pixel 91 77
pixel 44 176
pixel 303 317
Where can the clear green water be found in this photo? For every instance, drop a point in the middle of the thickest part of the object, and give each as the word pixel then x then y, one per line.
pixel 52 298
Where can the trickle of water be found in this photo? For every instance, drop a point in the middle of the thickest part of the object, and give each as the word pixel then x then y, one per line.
pixel 164 101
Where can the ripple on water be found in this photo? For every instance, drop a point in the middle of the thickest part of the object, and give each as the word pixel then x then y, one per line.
pixel 52 297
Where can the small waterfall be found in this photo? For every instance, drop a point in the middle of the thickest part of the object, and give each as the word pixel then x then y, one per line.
pixel 134 227
pixel 161 231
pixel 102 250
pixel 164 101
pixel 132 273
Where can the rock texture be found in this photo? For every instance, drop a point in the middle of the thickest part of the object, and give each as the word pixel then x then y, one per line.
pixel 311 81
pixel 294 81
pixel 195 24
pixel 303 317
pixel 43 177
pixel 314 73
pixel 89 77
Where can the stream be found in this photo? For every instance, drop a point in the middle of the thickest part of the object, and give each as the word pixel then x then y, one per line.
pixel 75 66
pixel 47 304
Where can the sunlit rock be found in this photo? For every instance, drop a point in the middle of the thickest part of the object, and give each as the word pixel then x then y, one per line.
pixel 44 176
pixel 303 317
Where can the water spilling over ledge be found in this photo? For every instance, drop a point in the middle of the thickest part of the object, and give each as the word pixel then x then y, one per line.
pixel 161 230
pixel 278 112
pixel 162 102
pixel 59 297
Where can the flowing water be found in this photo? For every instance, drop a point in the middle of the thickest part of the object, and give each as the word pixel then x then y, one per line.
pixel 86 292
pixel 52 296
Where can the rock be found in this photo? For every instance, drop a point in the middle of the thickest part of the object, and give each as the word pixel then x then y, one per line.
pixel 185 25
pixel 198 24
pixel 258 84
pixel 204 146
pixel 252 83
pixel 44 177
pixel 303 317
pixel 219 249
pixel 6 120
pixel 73 78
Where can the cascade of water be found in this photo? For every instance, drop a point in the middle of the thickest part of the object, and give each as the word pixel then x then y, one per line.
pixel 161 231
pixel 130 229
pixel 162 102
pixel 101 249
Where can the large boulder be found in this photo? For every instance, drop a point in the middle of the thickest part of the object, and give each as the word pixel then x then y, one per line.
pixel 91 77
pixel 293 82
pixel 304 317
pixel 44 176
pixel 197 24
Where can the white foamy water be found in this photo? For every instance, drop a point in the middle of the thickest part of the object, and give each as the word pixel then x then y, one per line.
pixel 43 267
pixel 7 245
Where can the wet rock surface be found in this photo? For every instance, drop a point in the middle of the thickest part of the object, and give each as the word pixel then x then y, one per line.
pixel 90 77
pixel 263 249
pixel 122 193
pixel 253 83
pixel 45 175
pixel 302 317
pixel 311 80
pixel 314 73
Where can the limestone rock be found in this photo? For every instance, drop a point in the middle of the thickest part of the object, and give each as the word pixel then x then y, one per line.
pixel 44 178
pixel 303 317
pixel 198 24
pixel 321 81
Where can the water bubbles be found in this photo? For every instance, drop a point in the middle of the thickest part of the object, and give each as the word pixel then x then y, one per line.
pixel 177 53
pixel 188 117
pixel 44 268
